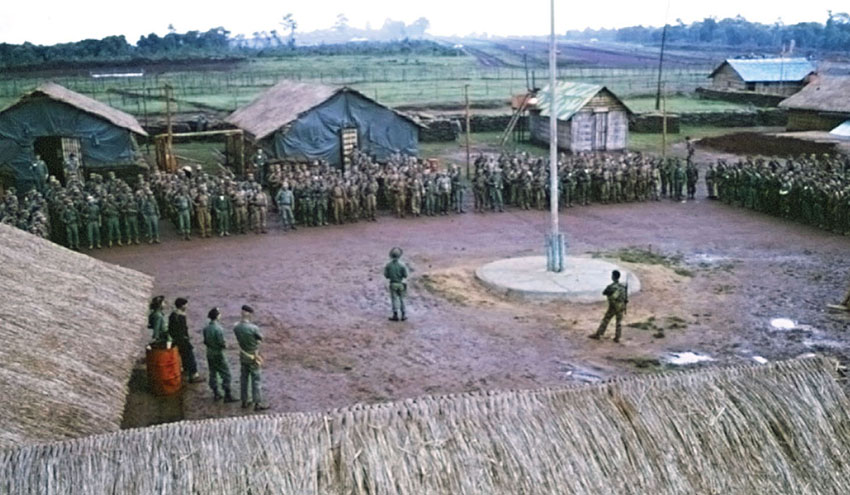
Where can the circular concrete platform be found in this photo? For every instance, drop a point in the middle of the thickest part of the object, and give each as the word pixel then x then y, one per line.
pixel 582 280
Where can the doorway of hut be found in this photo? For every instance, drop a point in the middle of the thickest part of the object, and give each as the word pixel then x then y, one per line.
pixel 54 150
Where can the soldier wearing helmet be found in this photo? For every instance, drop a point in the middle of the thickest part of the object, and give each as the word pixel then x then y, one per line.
pixel 396 273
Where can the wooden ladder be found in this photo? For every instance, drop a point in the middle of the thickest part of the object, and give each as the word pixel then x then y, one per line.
pixel 514 119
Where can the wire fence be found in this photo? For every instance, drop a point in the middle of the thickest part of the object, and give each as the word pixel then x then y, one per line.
pixel 224 91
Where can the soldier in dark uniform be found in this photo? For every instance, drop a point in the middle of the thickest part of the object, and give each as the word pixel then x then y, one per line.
pixel 178 329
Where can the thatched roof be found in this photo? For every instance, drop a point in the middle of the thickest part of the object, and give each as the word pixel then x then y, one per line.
pixel 84 103
pixel 71 327
pixel 779 428
pixel 825 94
pixel 284 102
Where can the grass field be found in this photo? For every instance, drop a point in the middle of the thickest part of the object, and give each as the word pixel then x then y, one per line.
pixel 392 80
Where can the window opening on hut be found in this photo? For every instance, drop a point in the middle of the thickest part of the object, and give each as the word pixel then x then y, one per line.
pixel 54 150
pixel 348 139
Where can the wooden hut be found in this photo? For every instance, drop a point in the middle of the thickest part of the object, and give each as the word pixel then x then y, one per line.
pixel 774 76
pixel 590 118
pixel 821 106
pixel 71 327
pixel 305 121
pixel 54 122
pixel 773 428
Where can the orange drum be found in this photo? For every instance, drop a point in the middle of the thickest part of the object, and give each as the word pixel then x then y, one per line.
pixel 164 371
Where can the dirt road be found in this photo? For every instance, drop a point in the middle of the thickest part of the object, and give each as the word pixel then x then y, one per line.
pixel 322 304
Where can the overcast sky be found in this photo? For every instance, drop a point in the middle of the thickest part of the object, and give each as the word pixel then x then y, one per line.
pixel 54 21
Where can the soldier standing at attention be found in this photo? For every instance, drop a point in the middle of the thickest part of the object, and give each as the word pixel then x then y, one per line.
pixel 249 338
pixel 156 323
pixel 618 298
pixel 72 224
pixel 179 331
pixel 93 223
pixel 214 341
pixel 396 273
pixel 285 200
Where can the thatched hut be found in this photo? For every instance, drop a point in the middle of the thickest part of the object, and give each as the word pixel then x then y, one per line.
pixel 778 428
pixel 54 122
pixel 773 76
pixel 305 121
pixel 590 118
pixel 71 327
pixel 821 106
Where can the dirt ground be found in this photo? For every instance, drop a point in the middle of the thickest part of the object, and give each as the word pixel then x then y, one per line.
pixel 322 303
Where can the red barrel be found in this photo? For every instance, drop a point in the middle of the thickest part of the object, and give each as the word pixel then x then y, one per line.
pixel 164 371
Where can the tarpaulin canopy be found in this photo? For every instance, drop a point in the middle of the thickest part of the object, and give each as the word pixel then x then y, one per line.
pixel 316 134
pixel 103 143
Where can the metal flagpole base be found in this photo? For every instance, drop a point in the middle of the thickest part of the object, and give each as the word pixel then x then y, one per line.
pixel 556 250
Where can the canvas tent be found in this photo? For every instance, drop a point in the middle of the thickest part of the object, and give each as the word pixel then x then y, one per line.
pixel 71 327
pixel 590 118
pixel 53 122
pixel 775 428
pixel 303 121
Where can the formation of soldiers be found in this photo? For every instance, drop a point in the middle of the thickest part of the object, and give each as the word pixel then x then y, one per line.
pixel 814 190
pixel 108 212
pixel 522 181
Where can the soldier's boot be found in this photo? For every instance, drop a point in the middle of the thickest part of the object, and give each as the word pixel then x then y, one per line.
pixel 108 244
pixel 120 244
pixel 394 316
pixel 216 396
pixel 91 246
pixel 261 407
pixel 246 404
pixel 228 397
pixel 403 316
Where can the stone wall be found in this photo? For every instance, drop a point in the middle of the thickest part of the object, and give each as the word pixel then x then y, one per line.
pixel 746 97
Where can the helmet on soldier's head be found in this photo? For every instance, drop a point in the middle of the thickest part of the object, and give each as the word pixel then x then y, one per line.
pixel 395 253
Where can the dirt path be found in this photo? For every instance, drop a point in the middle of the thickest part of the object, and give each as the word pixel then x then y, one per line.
pixel 321 301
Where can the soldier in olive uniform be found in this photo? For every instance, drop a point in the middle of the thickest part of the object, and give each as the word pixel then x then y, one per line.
pixel 113 223
pixel 183 206
pixel 223 210
pixel 72 224
pixel 618 299
pixel 150 214
pixel 217 364
pixel 93 223
pixel 396 273
pixel 249 337
pixel 130 214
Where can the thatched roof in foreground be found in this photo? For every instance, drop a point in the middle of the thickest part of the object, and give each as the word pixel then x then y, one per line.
pixel 829 94
pixel 84 103
pixel 779 428
pixel 71 327
pixel 285 102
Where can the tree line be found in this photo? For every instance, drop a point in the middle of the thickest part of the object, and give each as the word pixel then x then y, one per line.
pixel 832 35
pixel 215 43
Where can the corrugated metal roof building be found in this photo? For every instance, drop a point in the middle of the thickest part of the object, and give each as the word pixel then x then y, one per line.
pixel 590 118
pixel 777 76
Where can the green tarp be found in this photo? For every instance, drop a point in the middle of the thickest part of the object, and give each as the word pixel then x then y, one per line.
pixel 102 143
pixel 316 134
